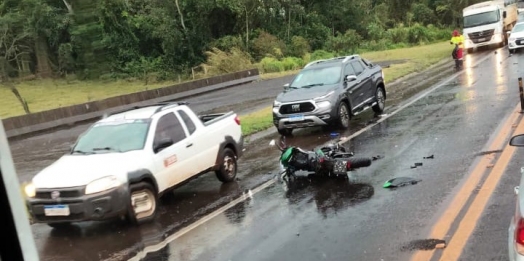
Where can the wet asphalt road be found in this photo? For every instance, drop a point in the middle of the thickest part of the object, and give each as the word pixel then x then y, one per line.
pixel 354 219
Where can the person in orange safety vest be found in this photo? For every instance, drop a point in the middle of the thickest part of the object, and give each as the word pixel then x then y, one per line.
pixel 458 52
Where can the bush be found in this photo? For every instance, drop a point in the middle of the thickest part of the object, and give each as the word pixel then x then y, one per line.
pixel 220 62
pixel 270 64
pixel 438 34
pixel 229 42
pixel 417 34
pixel 299 46
pixel 320 54
pixel 375 32
pixel 379 45
pixel 398 34
pixel 423 14
pixel 306 58
pixel 344 44
pixel 267 44
pixel 292 63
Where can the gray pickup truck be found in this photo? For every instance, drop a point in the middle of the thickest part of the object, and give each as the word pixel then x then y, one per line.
pixel 330 92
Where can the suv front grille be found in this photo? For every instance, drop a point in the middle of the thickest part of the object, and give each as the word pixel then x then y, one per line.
pixel 63 193
pixel 482 36
pixel 297 108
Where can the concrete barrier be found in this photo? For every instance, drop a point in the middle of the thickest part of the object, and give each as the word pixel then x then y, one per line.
pixel 44 120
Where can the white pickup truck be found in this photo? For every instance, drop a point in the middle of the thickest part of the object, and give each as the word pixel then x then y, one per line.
pixel 123 163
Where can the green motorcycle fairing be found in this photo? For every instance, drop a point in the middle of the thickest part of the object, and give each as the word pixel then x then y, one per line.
pixel 286 156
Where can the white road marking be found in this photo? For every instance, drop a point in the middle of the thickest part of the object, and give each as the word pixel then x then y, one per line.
pixel 268 183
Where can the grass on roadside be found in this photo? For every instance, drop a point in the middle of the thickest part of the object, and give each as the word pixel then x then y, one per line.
pixel 49 94
pixel 267 76
pixel 410 60
pixel 256 121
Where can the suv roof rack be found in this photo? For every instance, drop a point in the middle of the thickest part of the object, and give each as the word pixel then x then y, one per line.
pixel 343 58
pixel 315 62
pixel 163 105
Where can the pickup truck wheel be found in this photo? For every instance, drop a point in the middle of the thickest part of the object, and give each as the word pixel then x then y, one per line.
pixel 285 132
pixel 228 167
pixel 343 115
pixel 142 203
pixel 381 101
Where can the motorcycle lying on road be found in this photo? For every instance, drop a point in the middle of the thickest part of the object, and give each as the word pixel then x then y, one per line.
pixel 332 159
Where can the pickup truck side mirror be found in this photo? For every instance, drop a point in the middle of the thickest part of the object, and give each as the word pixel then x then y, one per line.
pixel 162 144
pixel 286 86
pixel 350 78
pixel 517 140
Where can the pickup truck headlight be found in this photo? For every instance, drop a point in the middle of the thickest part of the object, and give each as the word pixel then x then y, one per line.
pixel 276 104
pixel 497 38
pixel 30 190
pixel 103 184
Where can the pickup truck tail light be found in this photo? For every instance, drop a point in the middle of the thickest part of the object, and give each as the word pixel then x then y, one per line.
pixel 519 236
pixel 237 120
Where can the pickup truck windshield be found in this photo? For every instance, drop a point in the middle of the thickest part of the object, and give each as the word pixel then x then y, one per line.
pixel 317 77
pixel 481 19
pixel 120 136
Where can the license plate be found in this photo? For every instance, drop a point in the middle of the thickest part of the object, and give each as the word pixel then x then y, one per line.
pixel 482 39
pixel 296 118
pixel 56 210
pixel 340 167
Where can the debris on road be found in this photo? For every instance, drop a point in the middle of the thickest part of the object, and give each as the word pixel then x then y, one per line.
pixel 489 166
pixel 377 157
pixel 400 182
pixel 430 157
pixel 440 246
pixel 418 164
pixel 424 244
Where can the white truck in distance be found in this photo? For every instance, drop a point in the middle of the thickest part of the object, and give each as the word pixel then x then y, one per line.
pixel 487 23
pixel 123 163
